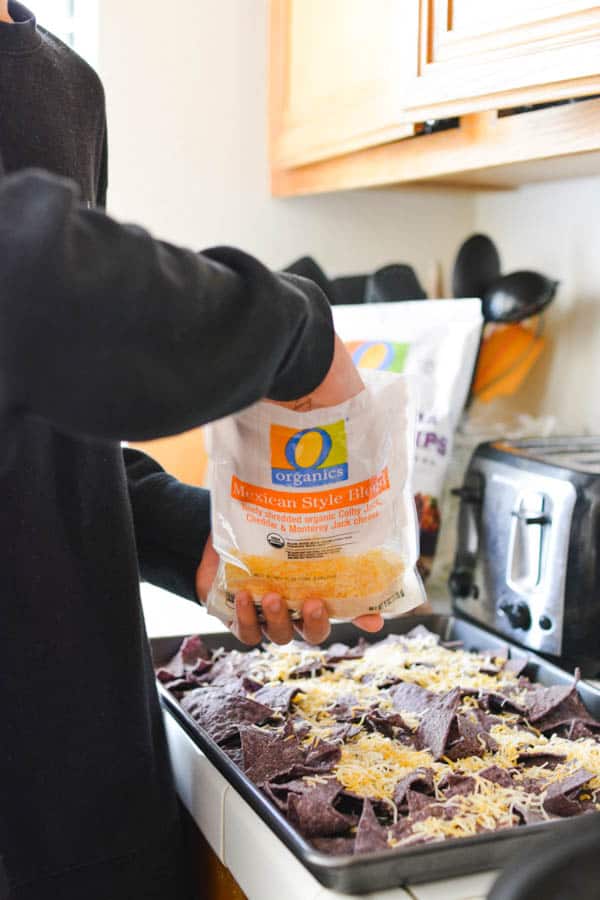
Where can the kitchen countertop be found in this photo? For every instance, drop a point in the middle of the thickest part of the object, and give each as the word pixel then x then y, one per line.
pixel 226 819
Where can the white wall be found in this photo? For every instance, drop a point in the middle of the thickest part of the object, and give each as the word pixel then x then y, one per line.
pixel 187 118
pixel 555 228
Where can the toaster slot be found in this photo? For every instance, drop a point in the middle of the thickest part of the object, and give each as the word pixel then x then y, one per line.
pixel 528 536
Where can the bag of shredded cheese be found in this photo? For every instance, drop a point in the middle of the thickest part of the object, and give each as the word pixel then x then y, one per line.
pixel 318 504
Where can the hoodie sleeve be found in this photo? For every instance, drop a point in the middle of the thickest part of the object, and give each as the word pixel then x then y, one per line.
pixel 107 332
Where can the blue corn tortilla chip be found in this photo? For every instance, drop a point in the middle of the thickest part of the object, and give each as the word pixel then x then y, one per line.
pixel 540 701
pixel 231 667
pixel 193 648
pixel 344 732
pixel 434 728
pixel 515 665
pixel 540 758
pixel 191 651
pixel 455 784
pixel 221 712
pixel 334 846
pixel 530 785
pixel 569 710
pixel 370 835
pixel 387 724
pixel 201 669
pixel 313 814
pixel 381 681
pixel 167 675
pixel 419 779
pixel 411 698
pixel 472 739
pixel 278 696
pixel 180 686
pixel 338 652
pixel 416 801
pixel 312 668
pixel 578 729
pixel 235 754
pixel 560 799
pixel 279 791
pixel 345 709
pixel 527 815
pixel 497 775
pixel 500 702
pixel 322 756
pixel 269 755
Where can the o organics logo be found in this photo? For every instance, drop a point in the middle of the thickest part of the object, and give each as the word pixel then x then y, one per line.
pixel 310 456
pixel 378 355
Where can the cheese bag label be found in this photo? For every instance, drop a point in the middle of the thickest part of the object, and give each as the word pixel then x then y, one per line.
pixel 318 504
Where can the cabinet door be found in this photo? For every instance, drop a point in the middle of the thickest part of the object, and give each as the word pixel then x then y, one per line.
pixel 337 74
pixel 475 54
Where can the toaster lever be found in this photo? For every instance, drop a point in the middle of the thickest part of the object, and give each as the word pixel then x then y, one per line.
pixel 530 518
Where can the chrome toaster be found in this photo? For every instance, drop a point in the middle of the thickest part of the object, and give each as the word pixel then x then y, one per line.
pixel 527 562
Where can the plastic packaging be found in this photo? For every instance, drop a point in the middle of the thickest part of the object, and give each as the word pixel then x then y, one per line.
pixel 318 504
pixel 435 343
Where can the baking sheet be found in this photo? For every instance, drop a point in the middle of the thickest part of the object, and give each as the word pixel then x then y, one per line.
pixel 404 865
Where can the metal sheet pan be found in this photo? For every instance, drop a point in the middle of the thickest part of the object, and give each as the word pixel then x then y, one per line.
pixel 393 868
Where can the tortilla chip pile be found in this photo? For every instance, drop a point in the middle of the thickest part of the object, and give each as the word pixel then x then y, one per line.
pixel 401 742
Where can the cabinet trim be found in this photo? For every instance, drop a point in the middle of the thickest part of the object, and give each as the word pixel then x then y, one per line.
pixel 483 142
pixel 457 74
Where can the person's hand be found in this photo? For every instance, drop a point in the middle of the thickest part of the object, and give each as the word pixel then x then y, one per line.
pixel 341 383
pixel 314 626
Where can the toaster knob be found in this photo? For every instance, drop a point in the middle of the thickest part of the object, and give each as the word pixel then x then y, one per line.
pixel 517 614
pixel 460 583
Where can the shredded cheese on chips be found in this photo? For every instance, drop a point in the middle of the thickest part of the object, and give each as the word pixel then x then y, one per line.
pixel 371 764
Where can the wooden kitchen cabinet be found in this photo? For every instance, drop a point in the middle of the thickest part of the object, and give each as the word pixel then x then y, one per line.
pixel 183 455
pixel 353 81
pixel 337 74
pixel 479 54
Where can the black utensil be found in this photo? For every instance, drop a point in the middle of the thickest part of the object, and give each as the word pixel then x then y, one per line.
pixel 307 267
pixel 514 297
pixel 559 871
pixel 349 288
pixel 477 265
pixel 393 283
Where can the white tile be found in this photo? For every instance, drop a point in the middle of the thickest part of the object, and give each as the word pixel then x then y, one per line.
pixel 393 894
pixel 260 863
pixel 469 887
pixel 167 614
pixel 248 841
pixel 201 788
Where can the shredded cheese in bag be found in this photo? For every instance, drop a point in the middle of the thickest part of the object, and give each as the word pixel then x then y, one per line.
pixel 318 504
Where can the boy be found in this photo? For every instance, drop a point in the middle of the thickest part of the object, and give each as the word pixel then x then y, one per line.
pixel 106 334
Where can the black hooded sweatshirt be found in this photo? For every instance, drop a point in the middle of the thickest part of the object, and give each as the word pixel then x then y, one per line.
pixel 105 335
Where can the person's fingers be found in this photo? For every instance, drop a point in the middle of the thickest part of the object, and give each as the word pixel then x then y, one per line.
pixel 207 570
pixel 246 626
pixel 315 622
pixel 370 622
pixel 278 626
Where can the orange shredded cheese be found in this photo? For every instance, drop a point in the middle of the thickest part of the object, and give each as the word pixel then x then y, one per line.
pixel 365 577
